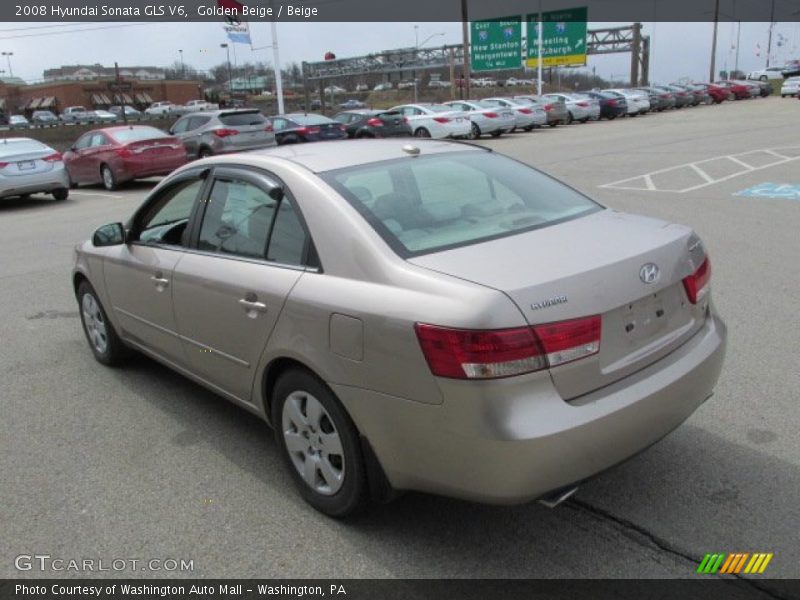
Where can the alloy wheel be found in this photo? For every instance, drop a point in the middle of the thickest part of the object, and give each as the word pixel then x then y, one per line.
pixel 313 443
pixel 94 323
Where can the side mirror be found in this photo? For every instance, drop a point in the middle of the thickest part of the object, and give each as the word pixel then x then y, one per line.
pixel 109 235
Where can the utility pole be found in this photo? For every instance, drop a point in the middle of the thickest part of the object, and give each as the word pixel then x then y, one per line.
pixel 183 67
pixel 711 76
pixel 230 74
pixel 636 49
pixel 771 25
pixel 539 42
pixel 278 76
pixel 465 35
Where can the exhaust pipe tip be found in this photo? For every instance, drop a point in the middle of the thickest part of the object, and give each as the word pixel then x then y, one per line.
pixel 555 498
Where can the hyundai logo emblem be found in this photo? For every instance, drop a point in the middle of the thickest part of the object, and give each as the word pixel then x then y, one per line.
pixel 649 273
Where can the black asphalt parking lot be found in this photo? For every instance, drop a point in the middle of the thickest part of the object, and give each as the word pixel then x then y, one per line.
pixel 138 462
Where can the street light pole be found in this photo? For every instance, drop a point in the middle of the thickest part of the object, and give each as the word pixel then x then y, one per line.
pixel 230 75
pixel 8 56
pixel 183 68
pixel 417 46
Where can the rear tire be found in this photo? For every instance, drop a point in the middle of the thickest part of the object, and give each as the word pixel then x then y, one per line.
pixel 319 444
pixel 108 177
pixel 474 132
pixel 204 152
pixel 103 340
pixel 496 134
pixel 553 124
pixel 569 118
pixel 422 133
pixel 61 194
pixel 529 128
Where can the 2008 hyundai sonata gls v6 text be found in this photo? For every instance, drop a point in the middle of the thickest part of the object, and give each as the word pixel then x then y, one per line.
pixel 431 317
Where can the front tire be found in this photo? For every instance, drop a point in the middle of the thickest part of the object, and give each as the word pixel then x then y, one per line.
pixel 319 444
pixel 61 194
pixel 422 133
pixel 109 179
pixel 103 340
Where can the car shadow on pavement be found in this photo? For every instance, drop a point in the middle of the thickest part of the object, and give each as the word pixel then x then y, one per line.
pixel 16 204
pixel 653 516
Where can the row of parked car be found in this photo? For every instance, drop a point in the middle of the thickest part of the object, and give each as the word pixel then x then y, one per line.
pixel 113 155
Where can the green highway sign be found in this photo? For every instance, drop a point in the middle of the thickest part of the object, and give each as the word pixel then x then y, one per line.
pixel 563 38
pixel 496 44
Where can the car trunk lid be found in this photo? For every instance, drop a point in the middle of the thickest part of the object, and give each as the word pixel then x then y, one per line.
pixel 592 266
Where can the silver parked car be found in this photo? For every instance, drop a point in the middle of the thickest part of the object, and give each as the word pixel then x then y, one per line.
pixel 29 167
pixel 223 131
pixel 526 115
pixel 372 301
pixel 485 118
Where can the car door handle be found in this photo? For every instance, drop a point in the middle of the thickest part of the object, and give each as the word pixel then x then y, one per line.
pixel 252 305
pixel 159 281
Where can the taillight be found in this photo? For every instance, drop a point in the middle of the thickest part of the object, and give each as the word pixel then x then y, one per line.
pixel 471 354
pixel 3 165
pixel 374 122
pixel 491 115
pixel 548 107
pixel 53 157
pixel 525 111
pixel 342 128
pixel 696 284
pixel 582 104
pixel 441 119
pixel 611 103
pixel 268 129
pixel 123 152
pixel 223 133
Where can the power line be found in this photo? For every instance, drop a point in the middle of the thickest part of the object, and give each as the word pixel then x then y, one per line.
pixel 59 25
pixel 49 33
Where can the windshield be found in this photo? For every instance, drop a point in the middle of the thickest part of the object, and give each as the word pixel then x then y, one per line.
pixel 442 201
pixel 21 147
pixel 135 134
pixel 310 119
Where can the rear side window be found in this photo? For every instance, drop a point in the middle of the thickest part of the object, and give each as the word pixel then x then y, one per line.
pixel 240 119
pixel 447 200
pixel 288 240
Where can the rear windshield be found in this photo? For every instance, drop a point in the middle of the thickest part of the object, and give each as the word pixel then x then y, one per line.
pixel 21 147
pixel 135 134
pixel 310 119
pixel 239 119
pixel 439 108
pixel 443 201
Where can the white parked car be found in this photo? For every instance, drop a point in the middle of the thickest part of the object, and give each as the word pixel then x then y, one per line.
pixel 382 87
pixel 766 74
pixel 435 120
pixel 159 109
pixel 335 89
pixel 638 101
pixel 790 87
pixel 405 85
pixel 485 118
pixel 362 87
pixel 526 116
pixel 580 107
pixel 438 83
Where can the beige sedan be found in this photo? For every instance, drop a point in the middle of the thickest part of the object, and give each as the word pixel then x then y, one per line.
pixel 430 316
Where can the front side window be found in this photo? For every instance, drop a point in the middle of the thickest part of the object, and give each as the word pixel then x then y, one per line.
pixel 447 200
pixel 165 220
pixel 237 219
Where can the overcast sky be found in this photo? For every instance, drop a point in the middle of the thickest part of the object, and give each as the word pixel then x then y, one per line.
pixel 679 49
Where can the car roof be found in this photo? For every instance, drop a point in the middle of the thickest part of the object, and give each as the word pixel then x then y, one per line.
pixel 328 156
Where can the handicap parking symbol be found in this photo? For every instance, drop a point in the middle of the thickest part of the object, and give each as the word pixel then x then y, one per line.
pixel 782 191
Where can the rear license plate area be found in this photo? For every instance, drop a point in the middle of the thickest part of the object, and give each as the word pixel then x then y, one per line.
pixel 26 165
pixel 644 318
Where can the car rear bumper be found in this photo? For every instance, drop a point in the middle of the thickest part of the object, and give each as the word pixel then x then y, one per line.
pixel 513 440
pixel 57 179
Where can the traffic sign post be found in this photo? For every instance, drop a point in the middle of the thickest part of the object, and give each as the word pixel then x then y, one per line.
pixel 496 44
pixel 563 38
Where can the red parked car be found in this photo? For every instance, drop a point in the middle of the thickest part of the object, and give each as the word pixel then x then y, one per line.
pixel 115 155
pixel 718 93
pixel 739 91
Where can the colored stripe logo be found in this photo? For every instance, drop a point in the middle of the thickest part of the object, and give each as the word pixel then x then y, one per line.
pixel 734 563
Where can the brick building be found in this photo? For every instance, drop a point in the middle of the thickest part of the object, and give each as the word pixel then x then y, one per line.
pixel 97 94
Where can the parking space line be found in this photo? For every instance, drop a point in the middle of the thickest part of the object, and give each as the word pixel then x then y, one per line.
pixel 645 181
pixel 96 194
